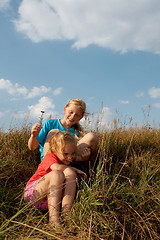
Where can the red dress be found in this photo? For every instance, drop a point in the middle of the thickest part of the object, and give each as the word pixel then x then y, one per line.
pixel 44 167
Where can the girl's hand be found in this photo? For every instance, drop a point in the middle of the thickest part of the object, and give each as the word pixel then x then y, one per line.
pixel 36 129
pixel 84 154
pixel 32 142
pixel 84 175
pixel 62 167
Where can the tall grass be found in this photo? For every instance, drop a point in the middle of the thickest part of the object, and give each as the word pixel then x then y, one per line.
pixel 120 199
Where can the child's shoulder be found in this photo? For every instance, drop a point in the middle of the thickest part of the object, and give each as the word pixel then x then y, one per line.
pixel 50 122
pixel 50 155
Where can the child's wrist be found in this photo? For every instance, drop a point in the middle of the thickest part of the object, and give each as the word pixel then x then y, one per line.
pixel 33 136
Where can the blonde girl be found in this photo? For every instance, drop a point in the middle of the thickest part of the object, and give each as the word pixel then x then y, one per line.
pixel 53 185
pixel 73 113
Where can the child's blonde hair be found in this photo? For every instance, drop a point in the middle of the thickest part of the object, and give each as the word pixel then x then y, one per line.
pixel 59 140
pixel 79 102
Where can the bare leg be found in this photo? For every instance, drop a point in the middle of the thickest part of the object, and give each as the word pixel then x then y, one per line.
pixel 87 146
pixel 51 186
pixel 69 190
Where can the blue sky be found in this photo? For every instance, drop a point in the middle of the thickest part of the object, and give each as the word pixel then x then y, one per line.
pixel 102 51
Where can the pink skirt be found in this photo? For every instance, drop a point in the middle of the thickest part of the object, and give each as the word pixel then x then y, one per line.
pixel 34 202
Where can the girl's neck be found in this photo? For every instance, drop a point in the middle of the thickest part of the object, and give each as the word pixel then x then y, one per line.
pixel 63 123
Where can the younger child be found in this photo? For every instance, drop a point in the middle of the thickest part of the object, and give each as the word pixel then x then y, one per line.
pixel 53 185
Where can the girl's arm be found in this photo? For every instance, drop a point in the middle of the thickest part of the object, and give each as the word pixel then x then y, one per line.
pixel 84 175
pixel 59 167
pixel 62 167
pixel 32 142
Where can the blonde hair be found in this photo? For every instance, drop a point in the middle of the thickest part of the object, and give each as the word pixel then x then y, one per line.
pixel 59 140
pixel 79 102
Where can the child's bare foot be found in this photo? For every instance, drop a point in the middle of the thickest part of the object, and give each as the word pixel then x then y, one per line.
pixel 85 154
pixel 58 227
pixel 67 219
pixel 55 223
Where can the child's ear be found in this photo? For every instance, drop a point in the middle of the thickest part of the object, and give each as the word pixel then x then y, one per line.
pixel 82 116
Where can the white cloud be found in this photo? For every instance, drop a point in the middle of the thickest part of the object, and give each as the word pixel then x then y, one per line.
pixel 121 25
pixel 4 4
pixel 154 92
pixel 105 116
pixel 37 91
pixel 6 85
pixel 140 94
pixel 57 91
pixel 5 114
pixel 12 89
pixel 15 90
pixel 19 115
pixel 44 104
pixel 157 105
pixel 100 120
pixel 91 98
pixel 1 114
pixel 124 101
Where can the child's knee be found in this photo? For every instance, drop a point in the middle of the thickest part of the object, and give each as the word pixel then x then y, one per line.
pixel 69 172
pixel 57 177
pixel 95 138
pixel 92 138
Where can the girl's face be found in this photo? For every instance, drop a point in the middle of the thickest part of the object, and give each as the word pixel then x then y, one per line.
pixel 69 153
pixel 72 114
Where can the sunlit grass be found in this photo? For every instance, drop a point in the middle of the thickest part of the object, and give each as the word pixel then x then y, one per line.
pixel 120 199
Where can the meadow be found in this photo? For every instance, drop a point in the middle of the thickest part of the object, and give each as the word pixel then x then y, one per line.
pixel 119 200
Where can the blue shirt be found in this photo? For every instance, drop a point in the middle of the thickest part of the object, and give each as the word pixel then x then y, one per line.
pixel 47 126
